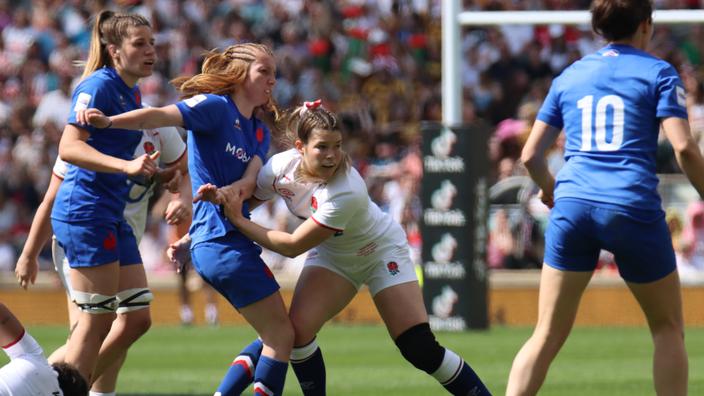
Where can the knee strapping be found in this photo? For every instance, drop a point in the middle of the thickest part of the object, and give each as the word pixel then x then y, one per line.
pixel 419 347
pixel 133 299
pixel 94 303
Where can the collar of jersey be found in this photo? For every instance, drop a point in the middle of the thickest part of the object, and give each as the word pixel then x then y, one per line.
pixel 115 76
pixel 237 111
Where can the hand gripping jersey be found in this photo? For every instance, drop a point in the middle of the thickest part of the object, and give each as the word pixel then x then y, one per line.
pixel 28 373
pixel 90 195
pixel 610 104
pixel 165 140
pixel 342 204
pixel 221 142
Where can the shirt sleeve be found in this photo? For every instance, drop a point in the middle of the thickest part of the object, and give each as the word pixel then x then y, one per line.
pixel 201 112
pixel 172 145
pixel 337 210
pixel 671 96
pixel 89 94
pixel 265 182
pixel 550 112
pixel 60 168
pixel 24 346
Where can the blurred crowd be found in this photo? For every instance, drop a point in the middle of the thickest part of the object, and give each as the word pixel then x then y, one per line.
pixel 375 63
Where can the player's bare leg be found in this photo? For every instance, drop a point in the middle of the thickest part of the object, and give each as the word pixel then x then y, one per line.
pixel 92 328
pixel 661 302
pixel 559 296
pixel 128 327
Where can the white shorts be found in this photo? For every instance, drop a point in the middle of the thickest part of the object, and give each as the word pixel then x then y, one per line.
pixel 387 266
pixel 61 265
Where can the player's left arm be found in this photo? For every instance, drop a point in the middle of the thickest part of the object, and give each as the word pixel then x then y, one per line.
pixel 139 119
pixel 242 188
pixel 248 182
pixel 307 236
pixel 541 137
pixel 10 327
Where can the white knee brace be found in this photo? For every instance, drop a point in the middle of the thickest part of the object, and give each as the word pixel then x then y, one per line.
pixel 94 303
pixel 134 299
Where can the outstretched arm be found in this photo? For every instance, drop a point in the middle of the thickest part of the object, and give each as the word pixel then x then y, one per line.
pixel 40 232
pixel 308 235
pixel 145 118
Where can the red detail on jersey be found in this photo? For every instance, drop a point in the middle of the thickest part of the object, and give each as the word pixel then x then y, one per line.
pixel 110 242
pixel 313 204
pixel 338 231
pixel 268 272
pixel 260 135
pixel 392 266
pixel 15 341
pixel 138 98
pixel 149 147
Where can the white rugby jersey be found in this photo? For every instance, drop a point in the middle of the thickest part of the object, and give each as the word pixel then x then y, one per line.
pixel 165 140
pixel 28 373
pixel 342 204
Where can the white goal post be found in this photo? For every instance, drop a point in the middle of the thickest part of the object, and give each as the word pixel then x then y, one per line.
pixel 453 18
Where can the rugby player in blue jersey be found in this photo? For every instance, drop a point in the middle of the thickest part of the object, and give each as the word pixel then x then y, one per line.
pixel 172 151
pixel 87 216
pixel 611 105
pixel 227 147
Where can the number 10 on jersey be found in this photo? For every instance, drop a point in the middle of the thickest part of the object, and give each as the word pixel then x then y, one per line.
pixel 596 124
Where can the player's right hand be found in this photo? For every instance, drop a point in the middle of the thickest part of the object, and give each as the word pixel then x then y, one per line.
pixel 92 117
pixel 547 199
pixel 232 203
pixel 26 271
pixel 144 165
pixel 209 193
pixel 179 253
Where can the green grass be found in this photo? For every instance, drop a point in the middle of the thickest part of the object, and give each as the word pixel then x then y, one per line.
pixel 362 360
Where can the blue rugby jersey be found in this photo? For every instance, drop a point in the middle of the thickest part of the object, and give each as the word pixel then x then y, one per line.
pixel 221 142
pixel 90 195
pixel 610 104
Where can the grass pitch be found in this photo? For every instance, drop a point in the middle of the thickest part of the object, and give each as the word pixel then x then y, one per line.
pixel 362 360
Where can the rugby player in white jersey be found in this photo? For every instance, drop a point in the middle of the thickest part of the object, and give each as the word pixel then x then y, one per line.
pixel 28 373
pixel 350 242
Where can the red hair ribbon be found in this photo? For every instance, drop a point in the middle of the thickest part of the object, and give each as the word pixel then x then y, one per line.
pixel 311 105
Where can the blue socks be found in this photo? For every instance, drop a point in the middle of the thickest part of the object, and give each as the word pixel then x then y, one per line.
pixel 241 371
pixel 307 362
pixel 269 377
pixel 458 378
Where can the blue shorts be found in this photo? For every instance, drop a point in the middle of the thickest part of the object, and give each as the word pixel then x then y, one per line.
pixel 91 244
pixel 233 266
pixel 639 240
